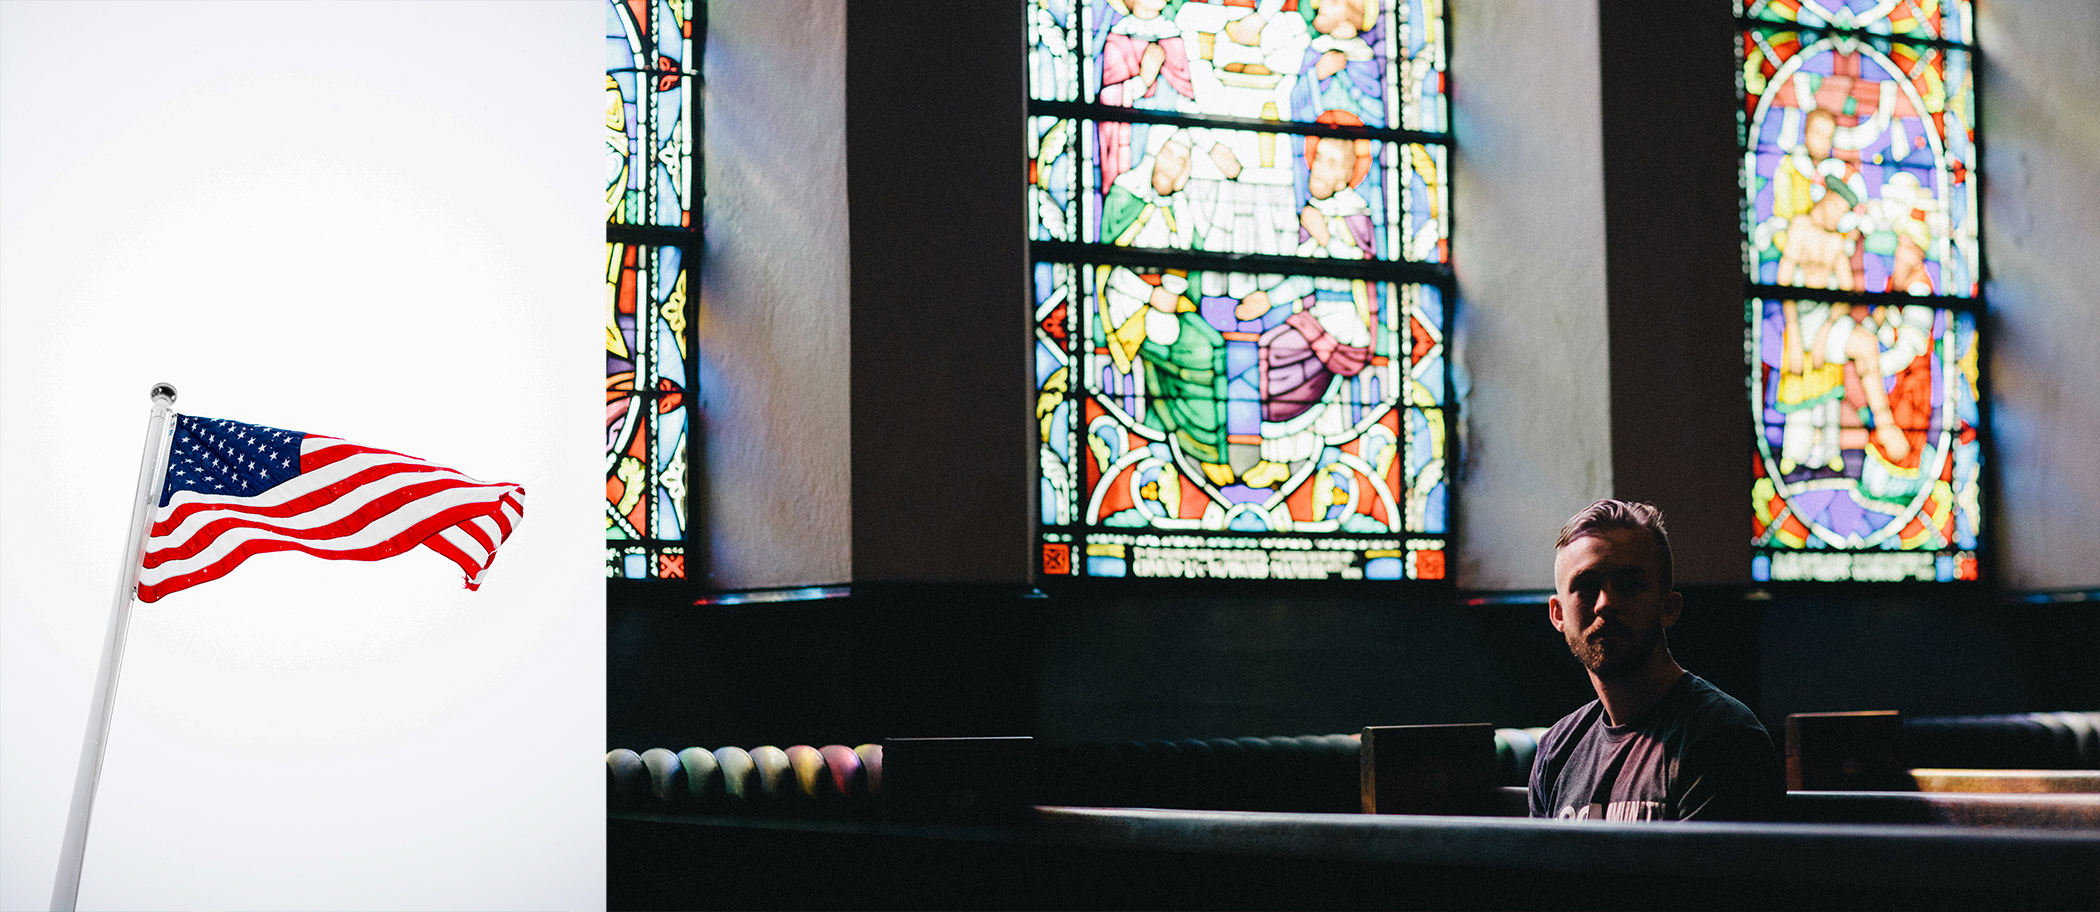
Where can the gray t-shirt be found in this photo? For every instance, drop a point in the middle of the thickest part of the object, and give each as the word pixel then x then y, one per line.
pixel 1696 754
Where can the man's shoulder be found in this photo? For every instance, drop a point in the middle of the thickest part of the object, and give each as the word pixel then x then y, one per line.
pixel 1554 753
pixel 1708 725
pixel 1571 727
pixel 1723 767
pixel 1708 707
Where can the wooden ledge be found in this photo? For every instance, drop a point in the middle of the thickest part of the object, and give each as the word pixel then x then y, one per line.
pixel 1911 855
pixel 2024 782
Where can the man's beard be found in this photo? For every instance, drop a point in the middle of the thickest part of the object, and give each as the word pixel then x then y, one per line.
pixel 1637 648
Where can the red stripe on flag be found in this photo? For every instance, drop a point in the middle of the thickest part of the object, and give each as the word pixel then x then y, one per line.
pixel 410 501
pixel 473 530
pixel 417 533
pixel 330 454
pixel 451 552
pixel 502 517
pixel 350 524
pixel 310 501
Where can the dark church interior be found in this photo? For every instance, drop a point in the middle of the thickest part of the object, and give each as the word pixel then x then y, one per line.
pixel 863 563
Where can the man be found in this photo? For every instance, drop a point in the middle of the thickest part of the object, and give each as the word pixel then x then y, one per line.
pixel 1658 743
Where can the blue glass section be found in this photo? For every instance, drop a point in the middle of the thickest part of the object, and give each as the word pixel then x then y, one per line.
pixel 1046 363
pixel 1432 374
pixel 667 525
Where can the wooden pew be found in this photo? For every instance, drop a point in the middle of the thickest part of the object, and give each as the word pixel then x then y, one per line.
pixel 1124 858
pixel 1866 751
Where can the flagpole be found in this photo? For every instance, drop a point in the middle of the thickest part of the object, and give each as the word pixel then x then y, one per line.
pixel 151 475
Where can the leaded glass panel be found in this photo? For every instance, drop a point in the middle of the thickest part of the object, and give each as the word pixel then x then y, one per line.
pixel 1859 164
pixel 1863 264
pixel 650 81
pixel 1947 20
pixel 1238 191
pixel 649 86
pixel 1379 62
pixel 1240 216
pixel 1868 444
pixel 645 405
pixel 1267 413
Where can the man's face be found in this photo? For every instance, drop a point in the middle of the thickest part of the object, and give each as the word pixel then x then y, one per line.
pixel 1339 18
pixel 1332 165
pixel 1170 168
pixel 1817 133
pixel 1609 600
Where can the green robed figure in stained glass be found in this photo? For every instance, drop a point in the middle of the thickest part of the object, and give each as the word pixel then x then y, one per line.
pixel 1240 328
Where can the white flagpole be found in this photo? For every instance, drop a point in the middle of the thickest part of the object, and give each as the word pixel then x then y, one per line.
pixel 159 430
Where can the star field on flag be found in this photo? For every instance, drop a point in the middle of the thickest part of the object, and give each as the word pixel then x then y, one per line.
pixel 234 490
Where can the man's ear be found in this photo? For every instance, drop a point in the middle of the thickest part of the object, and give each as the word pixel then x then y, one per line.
pixel 1673 608
pixel 1553 612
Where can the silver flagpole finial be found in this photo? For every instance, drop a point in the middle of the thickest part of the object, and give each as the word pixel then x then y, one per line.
pixel 163 391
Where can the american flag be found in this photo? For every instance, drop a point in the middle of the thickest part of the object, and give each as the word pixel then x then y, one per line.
pixel 234 490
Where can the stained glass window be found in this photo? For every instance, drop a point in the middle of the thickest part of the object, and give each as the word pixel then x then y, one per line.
pixel 651 234
pixel 1863 262
pixel 1240 220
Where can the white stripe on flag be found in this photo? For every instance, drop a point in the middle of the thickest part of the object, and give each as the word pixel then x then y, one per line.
pixel 381 530
pixel 467 545
pixel 229 529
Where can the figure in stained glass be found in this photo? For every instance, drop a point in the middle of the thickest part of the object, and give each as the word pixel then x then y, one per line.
pixel 1144 59
pixel 1145 206
pixel 1879 127
pixel 1819 242
pixel 1153 320
pixel 1327 334
pixel 1144 64
pixel 1217 190
pixel 1877 446
pixel 1343 67
pixel 1283 424
pixel 1824 406
pixel 1336 220
pixel 1250 381
pixel 1858 154
pixel 1245 55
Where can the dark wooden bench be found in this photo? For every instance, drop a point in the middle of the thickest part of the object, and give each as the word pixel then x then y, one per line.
pixel 1882 751
pixel 1132 858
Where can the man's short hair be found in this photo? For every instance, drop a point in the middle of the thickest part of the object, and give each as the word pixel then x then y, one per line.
pixel 1606 515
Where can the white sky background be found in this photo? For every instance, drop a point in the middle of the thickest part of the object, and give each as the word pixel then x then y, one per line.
pixel 375 221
